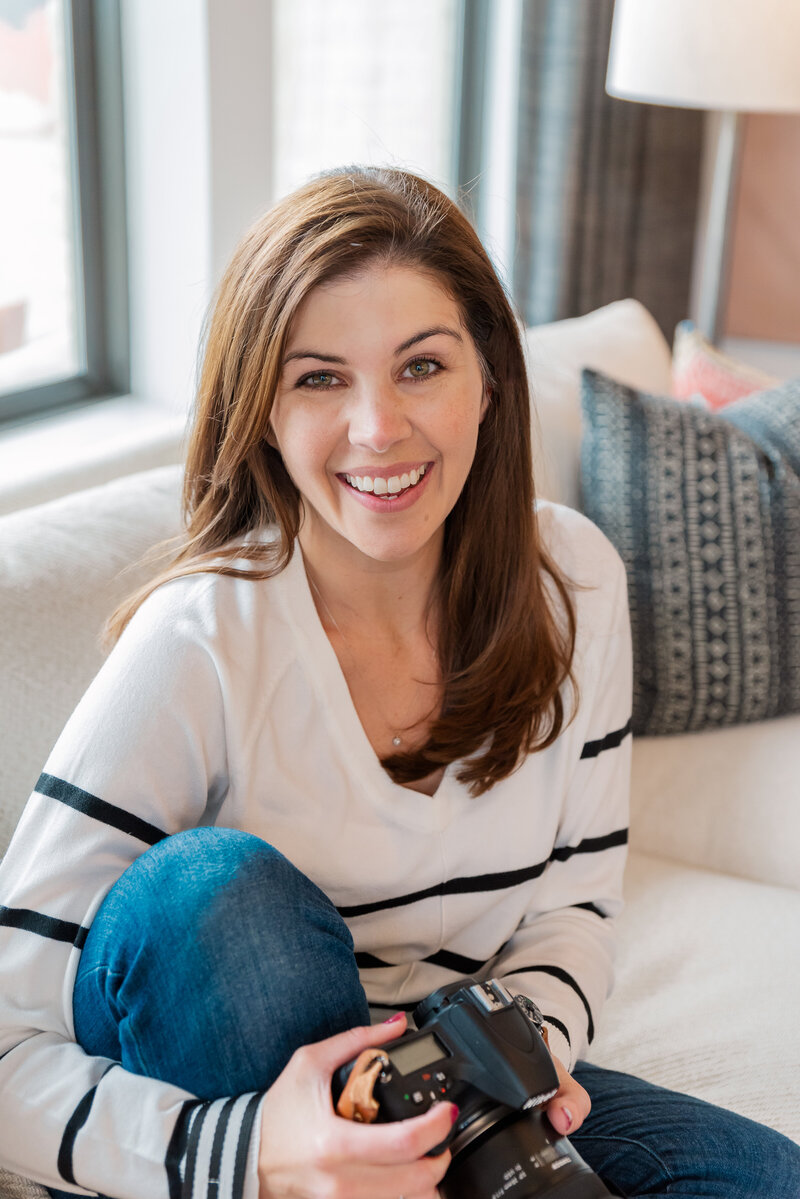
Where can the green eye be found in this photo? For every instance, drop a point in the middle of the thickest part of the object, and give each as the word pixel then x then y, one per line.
pixel 424 368
pixel 325 378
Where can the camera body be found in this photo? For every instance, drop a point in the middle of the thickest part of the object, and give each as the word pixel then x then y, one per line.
pixel 483 1045
pixel 483 1049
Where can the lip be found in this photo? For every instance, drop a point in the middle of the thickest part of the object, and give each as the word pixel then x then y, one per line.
pixel 389 504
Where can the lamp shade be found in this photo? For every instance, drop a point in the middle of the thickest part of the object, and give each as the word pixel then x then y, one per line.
pixel 742 55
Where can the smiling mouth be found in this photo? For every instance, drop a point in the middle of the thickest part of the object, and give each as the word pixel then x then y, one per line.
pixel 394 485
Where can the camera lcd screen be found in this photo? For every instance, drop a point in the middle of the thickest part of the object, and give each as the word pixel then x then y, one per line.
pixel 416 1054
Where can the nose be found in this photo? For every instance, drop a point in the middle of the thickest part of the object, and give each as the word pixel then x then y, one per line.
pixel 378 418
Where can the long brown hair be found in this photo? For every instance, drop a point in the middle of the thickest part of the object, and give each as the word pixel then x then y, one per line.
pixel 507 637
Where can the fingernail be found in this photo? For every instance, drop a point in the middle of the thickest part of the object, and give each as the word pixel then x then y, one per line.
pixel 393 1019
pixel 568 1115
pixel 454 1112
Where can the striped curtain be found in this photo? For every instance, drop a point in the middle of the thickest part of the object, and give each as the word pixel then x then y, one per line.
pixel 606 190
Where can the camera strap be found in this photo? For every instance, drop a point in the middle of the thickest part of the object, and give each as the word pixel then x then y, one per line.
pixel 357 1101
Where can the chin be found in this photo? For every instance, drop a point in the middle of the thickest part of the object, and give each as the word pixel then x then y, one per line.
pixel 389 549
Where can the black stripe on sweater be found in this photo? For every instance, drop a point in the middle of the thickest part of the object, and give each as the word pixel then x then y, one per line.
pixel 216 1148
pixel 98 809
pixel 564 977
pixel 397 1007
pixel 44 926
pixel 562 1028
pixel 443 957
pixel 191 1150
pixel 177 1147
pixel 497 881
pixel 590 845
pixel 591 907
pixel 611 740
pixel 74 1125
pixel 243 1146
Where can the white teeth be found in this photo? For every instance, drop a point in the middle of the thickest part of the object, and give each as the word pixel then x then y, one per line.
pixel 391 486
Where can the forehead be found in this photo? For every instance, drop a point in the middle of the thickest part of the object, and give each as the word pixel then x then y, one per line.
pixel 375 297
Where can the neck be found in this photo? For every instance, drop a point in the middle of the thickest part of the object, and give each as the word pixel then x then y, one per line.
pixel 390 599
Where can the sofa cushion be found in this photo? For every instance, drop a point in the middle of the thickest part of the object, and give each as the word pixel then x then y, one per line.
pixel 14 1187
pixel 705 1000
pixel 64 566
pixel 700 369
pixel 705 510
pixel 623 340
pixel 725 799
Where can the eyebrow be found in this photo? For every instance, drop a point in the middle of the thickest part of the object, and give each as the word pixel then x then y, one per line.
pixel 406 345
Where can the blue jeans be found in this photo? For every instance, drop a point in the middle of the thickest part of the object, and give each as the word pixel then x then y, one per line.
pixel 213 958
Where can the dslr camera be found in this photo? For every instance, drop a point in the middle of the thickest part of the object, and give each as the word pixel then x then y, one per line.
pixel 483 1049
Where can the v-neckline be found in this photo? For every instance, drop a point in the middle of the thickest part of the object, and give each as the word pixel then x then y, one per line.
pixel 325 670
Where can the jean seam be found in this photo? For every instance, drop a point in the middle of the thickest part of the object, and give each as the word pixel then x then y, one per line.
pixel 97 969
pixel 596 1136
pixel 131 1032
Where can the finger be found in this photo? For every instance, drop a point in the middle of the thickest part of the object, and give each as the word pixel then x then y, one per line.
pixel 417 1180
pixel 571 1104
pixel 323 1057
pixel 397 1143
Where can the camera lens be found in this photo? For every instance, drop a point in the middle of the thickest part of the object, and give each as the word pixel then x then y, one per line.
pixel 520 1153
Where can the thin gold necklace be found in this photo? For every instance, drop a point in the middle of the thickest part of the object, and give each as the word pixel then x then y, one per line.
pixel 397 740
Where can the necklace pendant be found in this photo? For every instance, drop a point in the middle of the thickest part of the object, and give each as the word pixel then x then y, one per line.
pixel 397 740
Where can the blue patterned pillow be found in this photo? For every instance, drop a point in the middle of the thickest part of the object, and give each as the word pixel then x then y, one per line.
pixel 705 510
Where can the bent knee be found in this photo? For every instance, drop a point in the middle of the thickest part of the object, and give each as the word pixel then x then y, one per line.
pixel 207 874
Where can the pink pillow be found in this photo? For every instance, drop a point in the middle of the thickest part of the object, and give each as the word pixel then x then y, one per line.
pixel 700 369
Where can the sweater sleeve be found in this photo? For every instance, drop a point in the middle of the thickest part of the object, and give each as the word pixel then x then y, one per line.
pixel 562 953
pixel 142 757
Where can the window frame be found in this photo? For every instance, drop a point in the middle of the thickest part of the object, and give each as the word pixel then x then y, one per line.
pixel 94 92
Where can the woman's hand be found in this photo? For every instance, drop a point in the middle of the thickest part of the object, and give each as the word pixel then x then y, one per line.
pixel 308 1152
pixel 571 1104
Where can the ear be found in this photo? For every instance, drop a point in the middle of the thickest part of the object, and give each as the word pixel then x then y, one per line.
pixel 271 439
pixel 485 402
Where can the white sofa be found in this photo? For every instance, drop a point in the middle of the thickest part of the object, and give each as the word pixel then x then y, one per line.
pixel 709 962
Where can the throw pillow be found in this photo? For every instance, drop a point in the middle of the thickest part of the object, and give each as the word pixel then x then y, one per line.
pixel 700 369
pixel 705 510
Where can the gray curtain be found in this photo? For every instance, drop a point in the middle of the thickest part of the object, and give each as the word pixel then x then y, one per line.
pixel 607 190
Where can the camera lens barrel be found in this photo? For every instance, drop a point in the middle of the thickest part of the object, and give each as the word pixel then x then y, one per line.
pixel 524 1155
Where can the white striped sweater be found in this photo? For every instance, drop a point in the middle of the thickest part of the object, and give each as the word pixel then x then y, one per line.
pixel 223 703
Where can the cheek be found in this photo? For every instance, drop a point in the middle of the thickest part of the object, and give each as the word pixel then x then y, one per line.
pixel 303 440
pixel 458 429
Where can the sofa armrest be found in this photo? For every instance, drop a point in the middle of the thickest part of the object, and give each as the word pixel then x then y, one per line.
pixel 64 567
pixel 726 799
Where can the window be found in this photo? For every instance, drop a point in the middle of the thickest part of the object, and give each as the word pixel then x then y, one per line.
pixel 63 312
pixel 365 82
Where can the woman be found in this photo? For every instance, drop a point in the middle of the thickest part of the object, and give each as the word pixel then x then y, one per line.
pixel 377 702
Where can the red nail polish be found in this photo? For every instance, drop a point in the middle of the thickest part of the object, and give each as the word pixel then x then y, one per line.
pixel 392 1019
pixel 568 1115
pixel 454 1112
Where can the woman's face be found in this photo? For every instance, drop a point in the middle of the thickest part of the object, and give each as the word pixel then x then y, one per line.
pixel 377 412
